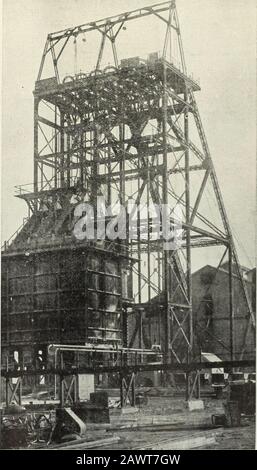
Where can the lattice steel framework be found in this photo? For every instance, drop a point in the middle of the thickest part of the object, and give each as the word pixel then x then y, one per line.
pixel 132 132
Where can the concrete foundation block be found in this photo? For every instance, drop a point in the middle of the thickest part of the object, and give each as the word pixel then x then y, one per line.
pixel 194 405
pixel 128 410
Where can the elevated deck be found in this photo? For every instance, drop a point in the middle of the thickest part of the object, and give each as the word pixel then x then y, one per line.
pixel 142 80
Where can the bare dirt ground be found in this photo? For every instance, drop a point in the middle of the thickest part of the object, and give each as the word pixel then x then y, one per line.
pixel 182 424
pixel 241 438
pixel 165 422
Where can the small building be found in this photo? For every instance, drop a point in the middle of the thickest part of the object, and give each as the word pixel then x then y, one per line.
pixel 211 317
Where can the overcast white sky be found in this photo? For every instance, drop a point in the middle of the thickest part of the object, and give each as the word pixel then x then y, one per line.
pixel 219 43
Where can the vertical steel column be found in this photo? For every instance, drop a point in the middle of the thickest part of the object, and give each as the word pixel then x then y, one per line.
pixel 122 163
pixel 109 182
pixel 61 384
pixel 81 158
pixel 148 235
pixel 62 400
pixel 122 202
pixel 188 385
pixel 166 270
pixel 124 328
pixel 133 389
pixel 58 288
pixel 159 260
pixel 121 390
pixel 94 179
pixel 36 104
pixel 139 243
pixel 86 286
pixel 62 149
pixel 7 379
pixel 34 308
pixel 159 290
pixel 55 149
pixel 231 301
pixel 140 330
pixel 188 233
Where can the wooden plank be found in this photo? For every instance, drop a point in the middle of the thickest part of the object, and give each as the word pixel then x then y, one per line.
pixel 185 442
pixel 89 444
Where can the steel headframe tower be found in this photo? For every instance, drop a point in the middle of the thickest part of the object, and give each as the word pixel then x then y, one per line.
pixel 132 132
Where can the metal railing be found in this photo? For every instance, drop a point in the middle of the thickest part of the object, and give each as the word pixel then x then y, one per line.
pixel 23 189
pixel 8 242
